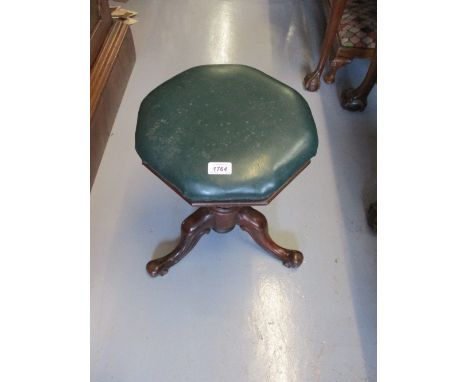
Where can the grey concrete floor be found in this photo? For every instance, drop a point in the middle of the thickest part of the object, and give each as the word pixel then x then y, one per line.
pixel 229 311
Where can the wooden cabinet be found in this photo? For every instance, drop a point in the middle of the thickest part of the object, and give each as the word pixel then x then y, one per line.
pixel 100 22
pixel 112 57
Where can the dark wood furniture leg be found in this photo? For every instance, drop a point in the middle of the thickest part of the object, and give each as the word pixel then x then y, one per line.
pixel 337 63
pixel 222 220
pixel 192 229
pixel 356 99
pixel 256 225
pixel 312 80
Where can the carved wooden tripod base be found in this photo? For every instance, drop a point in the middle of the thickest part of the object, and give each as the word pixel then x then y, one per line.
pixel 223 219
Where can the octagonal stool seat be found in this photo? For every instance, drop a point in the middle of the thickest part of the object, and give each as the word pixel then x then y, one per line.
pixel 225 137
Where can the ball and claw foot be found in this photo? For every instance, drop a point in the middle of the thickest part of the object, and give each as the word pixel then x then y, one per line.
pixel 352 102
pixel 312 81
pixel 356 99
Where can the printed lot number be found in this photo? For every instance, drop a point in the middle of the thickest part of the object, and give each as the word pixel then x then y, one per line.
pixel 219 168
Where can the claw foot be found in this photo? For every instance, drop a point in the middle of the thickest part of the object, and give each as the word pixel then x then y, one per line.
pixel 312 81
pixel 352 102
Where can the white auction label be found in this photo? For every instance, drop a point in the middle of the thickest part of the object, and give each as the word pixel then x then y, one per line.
pixel 219 168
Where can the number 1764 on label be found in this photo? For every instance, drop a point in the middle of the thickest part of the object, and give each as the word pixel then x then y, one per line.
pixel 219 168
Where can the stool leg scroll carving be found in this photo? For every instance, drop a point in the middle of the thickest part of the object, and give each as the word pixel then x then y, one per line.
pixel 192 229
pixel 256 225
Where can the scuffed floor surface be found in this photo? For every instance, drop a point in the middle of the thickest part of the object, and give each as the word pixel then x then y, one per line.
pixel 228 311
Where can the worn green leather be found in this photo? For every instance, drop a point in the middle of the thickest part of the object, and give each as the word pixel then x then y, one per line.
pixel 225 113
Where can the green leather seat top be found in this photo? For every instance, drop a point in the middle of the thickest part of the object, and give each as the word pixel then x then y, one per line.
pixel 225 113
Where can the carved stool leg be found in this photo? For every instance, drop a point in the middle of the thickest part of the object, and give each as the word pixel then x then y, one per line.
pixel 255 224
pixel 336 64
pixel 192 229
